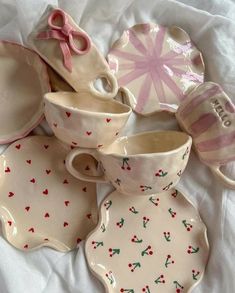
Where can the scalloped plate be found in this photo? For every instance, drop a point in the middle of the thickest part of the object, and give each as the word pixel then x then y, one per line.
pixel 148 244
pixel 23 82
pixel 41 204
pixel 157 65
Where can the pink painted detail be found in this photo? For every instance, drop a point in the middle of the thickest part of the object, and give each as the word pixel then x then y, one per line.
pixel 186 111
pixel 65 34
pixel 202 124
pixel 230 107
pixel 216 143
pixel 158 68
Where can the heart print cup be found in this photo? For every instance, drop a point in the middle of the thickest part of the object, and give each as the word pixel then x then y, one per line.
pixel 82 120
pixel 142 164
pixel 207 114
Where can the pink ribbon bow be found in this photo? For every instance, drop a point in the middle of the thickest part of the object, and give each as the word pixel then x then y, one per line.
pixel 66 35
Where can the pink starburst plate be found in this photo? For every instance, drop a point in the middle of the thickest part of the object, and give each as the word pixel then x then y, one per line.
pixel 157 65
pixel 148 244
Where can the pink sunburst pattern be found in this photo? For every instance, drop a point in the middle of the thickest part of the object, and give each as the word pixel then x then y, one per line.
pixel 158 65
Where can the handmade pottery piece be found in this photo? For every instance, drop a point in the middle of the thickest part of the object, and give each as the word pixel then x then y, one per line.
pixel 23 82
pixel 83 120
pixel 208 115
pixel 158 65
pixel 148 244
pixel 41 204
pixel 142 164
pixel 58 84
pixel 70 52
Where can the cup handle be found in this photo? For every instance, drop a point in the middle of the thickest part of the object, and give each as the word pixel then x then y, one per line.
pixel 69 165
pixel 230 183
pixel 112 81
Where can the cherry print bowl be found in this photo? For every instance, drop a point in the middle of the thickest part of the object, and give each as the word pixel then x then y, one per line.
pixel 148 244
pixel 82 120
pixel 142 164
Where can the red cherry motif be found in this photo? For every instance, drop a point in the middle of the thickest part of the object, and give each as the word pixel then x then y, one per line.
pixel 48 172
pixel 67 202
pixel 65 224
pixel 29 162
pixel 108 120
pixel 65 181
pixel 88 133
pixel 31 230
pixel 26 246
pixel 10 194
pixel 68 114
pixel 33 180
pixel 79 240
pixel 72 147
pixel 7 170
pixel 45 191
pixel 9 223
pixel 46 146
pixel 46 215
pixel 18 146
pixel 87 168
pixel 27 208
pixel 84 189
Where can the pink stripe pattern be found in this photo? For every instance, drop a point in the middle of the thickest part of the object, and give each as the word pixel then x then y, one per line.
pixel 203 124
pixel 158 66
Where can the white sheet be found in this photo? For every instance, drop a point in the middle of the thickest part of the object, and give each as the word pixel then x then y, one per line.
pixel 211 24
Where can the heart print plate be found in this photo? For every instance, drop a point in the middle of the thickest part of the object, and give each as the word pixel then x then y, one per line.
pixel 157 65
pixel 41 204
pixel 148 244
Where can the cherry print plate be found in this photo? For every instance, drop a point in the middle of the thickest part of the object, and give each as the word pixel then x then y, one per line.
pixel 158 65
pixel 41 204
pixel 148 244
pixel 23 82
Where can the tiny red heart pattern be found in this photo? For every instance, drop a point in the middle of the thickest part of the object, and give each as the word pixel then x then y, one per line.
pixel 68 114
pixel 38 176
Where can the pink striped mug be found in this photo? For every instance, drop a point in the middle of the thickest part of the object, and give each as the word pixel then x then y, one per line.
pixel 207 114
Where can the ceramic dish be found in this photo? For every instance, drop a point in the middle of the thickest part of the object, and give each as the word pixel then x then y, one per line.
pixel 148 244
pixel 41 204
pixel 157 64
pixel 23 82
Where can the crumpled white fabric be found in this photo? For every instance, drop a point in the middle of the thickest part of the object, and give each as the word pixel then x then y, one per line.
pixel 211 25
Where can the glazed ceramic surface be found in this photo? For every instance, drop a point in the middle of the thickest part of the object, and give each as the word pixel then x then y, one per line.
pixel 158 65
pixel 58 84
pixel 70 52
pixel 141 164
pixel 41 204
pixel 148 244
pixel 83 120
pixel 208 115
pixel 23 82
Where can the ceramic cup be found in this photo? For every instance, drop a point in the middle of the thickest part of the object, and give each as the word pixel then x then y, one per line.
pixel 207 114
pixel 142 164
pixel 71 53
pixel 82 120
